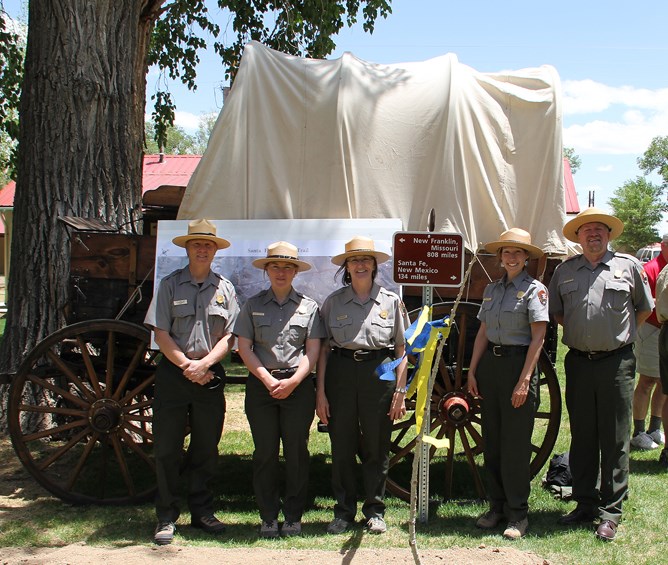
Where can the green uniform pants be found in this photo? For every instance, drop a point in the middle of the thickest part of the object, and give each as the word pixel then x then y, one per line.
pixel 359 403
pixel 178 403
pixel 599 394
pixel 273 422
pixel 506 432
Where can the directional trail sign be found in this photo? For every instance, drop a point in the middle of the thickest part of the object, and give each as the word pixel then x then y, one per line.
pixel 428 258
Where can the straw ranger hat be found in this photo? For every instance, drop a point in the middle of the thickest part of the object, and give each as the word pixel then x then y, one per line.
pixel 615 225
pixel 282 251
pixel 360 245
pixel 201 229
pixel 515 237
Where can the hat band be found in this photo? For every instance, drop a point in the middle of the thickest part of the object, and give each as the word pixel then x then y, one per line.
pixel 358 250
pixel 288 257
pixel 202 233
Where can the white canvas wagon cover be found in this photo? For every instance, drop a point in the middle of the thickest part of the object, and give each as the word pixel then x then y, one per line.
pixel 345 138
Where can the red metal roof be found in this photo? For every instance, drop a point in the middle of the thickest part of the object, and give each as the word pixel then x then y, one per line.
pixel 174 170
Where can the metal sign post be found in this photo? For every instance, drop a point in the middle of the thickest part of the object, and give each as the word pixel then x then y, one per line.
pixel 423 469
pixel 427 259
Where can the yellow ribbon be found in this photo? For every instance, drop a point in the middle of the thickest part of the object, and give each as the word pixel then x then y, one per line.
pixel 421 379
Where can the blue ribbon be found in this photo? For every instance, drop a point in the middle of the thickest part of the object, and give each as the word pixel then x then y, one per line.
pixel 415 344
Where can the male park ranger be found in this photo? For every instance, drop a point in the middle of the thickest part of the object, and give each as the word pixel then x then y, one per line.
pixel 600 298
pixel 192 316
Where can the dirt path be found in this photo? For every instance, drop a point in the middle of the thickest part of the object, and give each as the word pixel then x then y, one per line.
pixel 81 554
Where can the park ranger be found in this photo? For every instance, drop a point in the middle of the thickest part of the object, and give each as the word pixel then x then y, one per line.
pixel 279 332
pixel 192 315
pixel 365 326
pixel 600 297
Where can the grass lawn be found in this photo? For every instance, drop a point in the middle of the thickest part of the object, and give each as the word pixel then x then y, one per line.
pixel 40 520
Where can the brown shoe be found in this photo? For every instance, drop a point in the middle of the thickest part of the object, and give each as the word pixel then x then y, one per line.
pixel 516 530
pixel 210 524
pixel 489 520
pixel 606 530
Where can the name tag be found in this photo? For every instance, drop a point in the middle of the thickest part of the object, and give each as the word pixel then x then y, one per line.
pixel 342 317
pixel 258 314
pixel 180 302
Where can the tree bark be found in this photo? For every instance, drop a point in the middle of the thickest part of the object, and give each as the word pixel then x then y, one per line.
pixel 80 149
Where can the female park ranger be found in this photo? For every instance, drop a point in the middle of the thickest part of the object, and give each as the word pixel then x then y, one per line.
pixel 365 325
pixel 513 318
pixel 279 332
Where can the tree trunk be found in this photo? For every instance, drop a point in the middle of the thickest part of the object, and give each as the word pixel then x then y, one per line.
pixel 80 149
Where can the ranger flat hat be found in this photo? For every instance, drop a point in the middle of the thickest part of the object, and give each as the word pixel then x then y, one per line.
pixel 615 225
pixel 515 237
pixel 360 245
pixel 282 251
pixel 201 229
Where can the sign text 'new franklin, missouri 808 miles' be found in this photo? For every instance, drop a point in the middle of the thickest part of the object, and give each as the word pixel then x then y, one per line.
pixel 428 258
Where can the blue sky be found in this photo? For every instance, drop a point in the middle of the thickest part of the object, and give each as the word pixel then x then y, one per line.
pixel 612 58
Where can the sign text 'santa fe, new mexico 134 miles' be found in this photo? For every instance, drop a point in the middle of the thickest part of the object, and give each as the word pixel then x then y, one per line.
pixel 427 258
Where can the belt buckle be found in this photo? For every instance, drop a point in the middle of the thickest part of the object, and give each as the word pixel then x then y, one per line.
pixel 495 352
pixel 592 355
pixel 361 352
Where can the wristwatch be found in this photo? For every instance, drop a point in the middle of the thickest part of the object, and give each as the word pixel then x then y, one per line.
pixel 401 389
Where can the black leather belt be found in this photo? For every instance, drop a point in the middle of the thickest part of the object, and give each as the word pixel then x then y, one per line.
pixel 507 350
pixel 596 355
pixel 362 354
pixel 281 374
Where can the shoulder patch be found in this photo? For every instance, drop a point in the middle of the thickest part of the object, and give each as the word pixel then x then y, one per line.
pixel 542 296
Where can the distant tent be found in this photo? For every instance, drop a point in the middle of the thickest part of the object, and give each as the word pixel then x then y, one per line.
pixel 305 138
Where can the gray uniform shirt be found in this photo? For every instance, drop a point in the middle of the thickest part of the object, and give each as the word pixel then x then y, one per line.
pixel 509 307
pixel 599 304
pixel 375 324
pixel 279 331
pixel 195 316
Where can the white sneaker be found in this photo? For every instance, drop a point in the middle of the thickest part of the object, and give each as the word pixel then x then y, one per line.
pixel 376 525
pixel 643 441
pixel 658 437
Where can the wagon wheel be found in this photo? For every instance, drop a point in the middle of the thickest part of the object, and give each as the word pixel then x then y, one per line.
pixel 455 415
pixel 80 413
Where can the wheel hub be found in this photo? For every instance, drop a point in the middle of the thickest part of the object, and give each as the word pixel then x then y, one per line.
pixel 105 415
pixel 455 408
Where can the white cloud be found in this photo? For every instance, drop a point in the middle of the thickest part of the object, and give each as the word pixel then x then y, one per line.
pixel 588 96
pixel 612 120
pixel 187 120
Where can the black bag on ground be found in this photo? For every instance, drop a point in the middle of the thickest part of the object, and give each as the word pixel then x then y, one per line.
pixel 558 479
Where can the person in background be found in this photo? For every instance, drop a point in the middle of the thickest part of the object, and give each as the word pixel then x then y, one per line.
pixel 513 321
pixel 365 325
pixel 647 354
pixel 279 332
pixel 662 316
pixel 191 315
pixel 600 297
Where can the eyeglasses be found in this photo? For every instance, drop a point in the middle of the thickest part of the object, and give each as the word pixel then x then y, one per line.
pixel 360 259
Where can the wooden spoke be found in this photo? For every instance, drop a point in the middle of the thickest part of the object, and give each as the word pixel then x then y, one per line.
pixel 90 444
pixel 90 370
pixel 70 375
